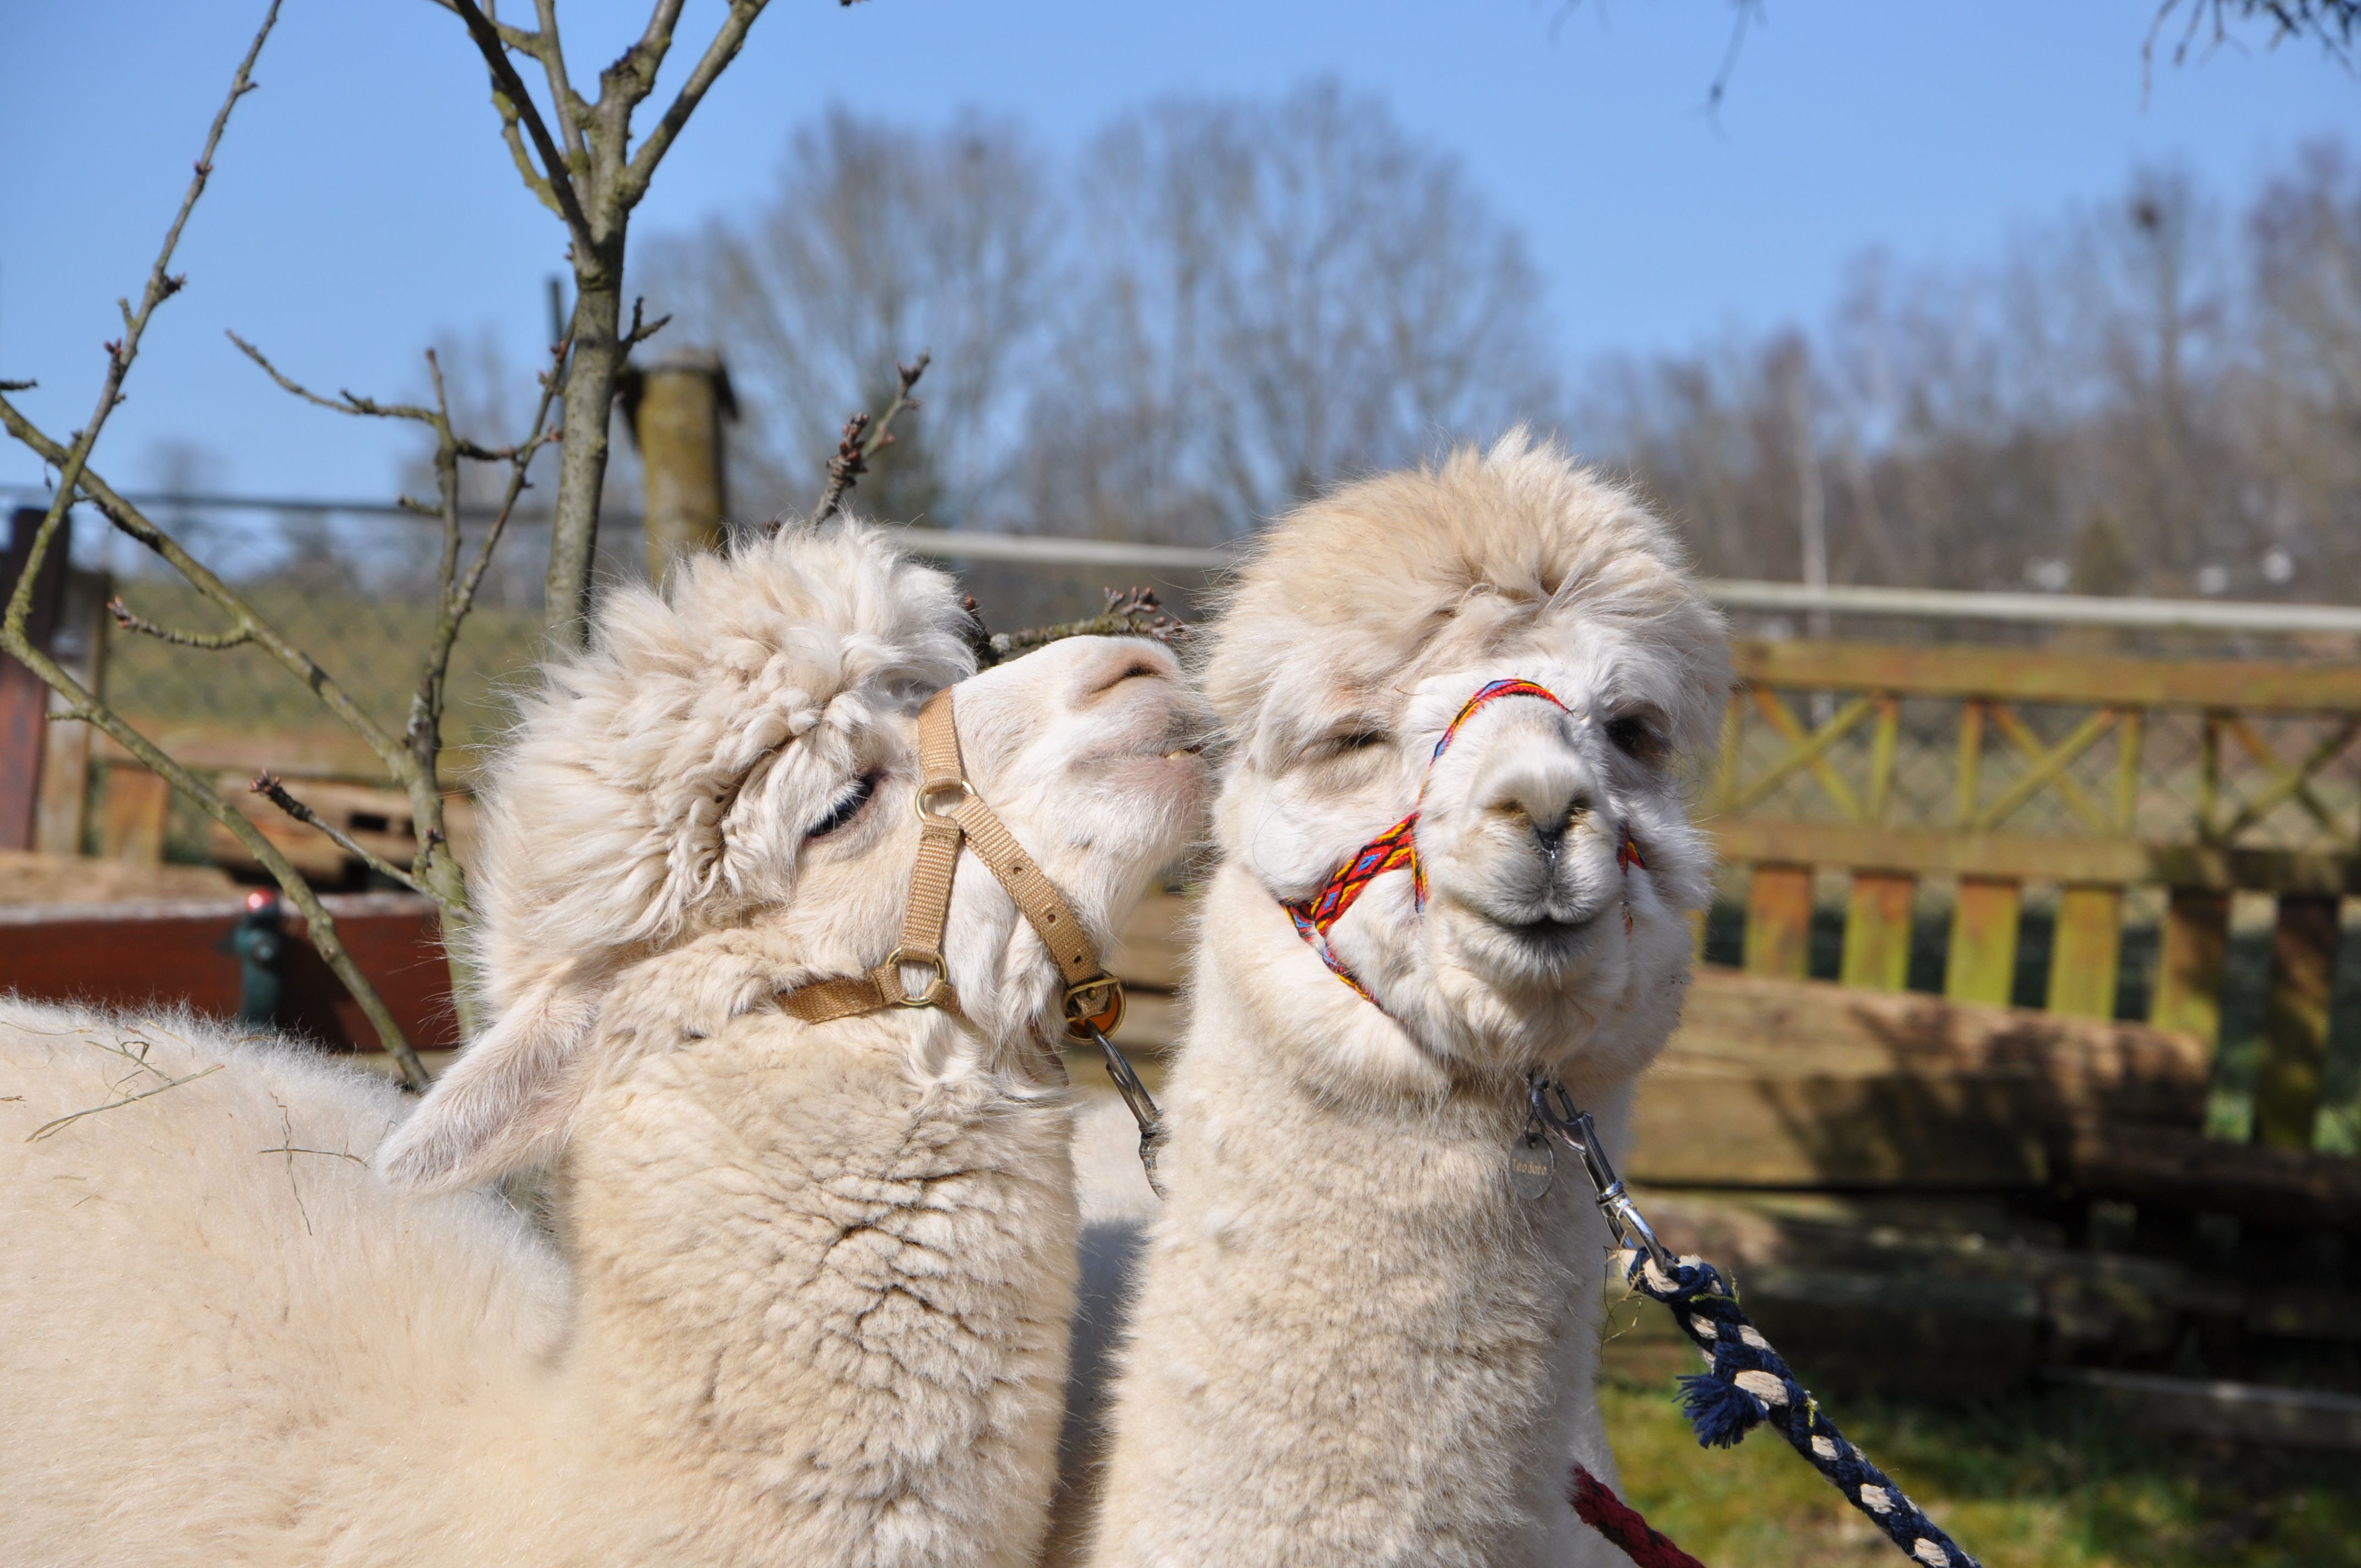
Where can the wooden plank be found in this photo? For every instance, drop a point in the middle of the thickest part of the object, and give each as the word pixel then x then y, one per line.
pixel 2196 949
pixel 2255 1412
pixel 2295 1021
pixel 61 812
pixel 1779 922
pixel 1751 1027
pixel 2044 676
pixel 1963 1132
pixel 290 754
pixel 1802 1084
pixel 2032 858
pixel 132 816
pixel 30 877
pixel 1980 963
pixel 2180 1167
pixel 375 817
pixel 2086 952
pixel 1877 931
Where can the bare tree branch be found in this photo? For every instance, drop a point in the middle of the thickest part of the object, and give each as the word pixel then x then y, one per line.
pixel 1130 612
pixel 864 439
pixel 343 402
pixel 268 785
pixel 162 286
pixel 640 333
pixel 516 38
pixel 548 49
pixel 717 55
pixel 512 98
pixel 134 522
pixel 237 637
pixel 2334 24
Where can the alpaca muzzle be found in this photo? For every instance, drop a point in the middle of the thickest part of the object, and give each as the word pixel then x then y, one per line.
pixel 952 814
pixel 1396 849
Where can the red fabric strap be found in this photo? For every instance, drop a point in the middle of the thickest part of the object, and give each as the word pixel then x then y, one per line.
pixel 1619 1522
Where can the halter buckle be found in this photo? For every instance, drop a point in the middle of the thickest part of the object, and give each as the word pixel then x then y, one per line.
pixel 1095 1006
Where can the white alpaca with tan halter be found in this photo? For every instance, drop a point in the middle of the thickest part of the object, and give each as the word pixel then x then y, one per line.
pixel 806 1302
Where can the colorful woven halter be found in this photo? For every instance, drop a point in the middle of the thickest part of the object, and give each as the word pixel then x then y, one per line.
pixel 1397 848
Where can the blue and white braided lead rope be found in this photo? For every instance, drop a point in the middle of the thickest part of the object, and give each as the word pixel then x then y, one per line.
pixel 1749 1384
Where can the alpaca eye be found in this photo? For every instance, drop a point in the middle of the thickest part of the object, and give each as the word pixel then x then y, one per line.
pixel 1635 738
pixel 1345 743
pixel 847 806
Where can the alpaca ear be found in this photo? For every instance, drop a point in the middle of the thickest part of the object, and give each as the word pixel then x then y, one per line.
pixel 505 1103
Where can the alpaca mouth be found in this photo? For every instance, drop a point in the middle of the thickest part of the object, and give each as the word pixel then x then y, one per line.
pixel 1549 930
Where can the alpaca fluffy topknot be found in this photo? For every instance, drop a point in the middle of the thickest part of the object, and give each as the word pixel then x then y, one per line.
pixel 650 781
pixel 1393 560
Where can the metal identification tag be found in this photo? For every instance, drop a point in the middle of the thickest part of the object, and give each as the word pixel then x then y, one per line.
pixel 1533 1163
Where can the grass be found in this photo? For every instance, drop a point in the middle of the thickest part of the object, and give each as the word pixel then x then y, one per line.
pixel 2031 1482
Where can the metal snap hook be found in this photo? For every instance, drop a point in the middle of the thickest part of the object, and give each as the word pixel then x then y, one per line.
pixel 1556 1112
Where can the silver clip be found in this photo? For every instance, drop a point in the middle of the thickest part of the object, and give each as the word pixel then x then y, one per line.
pixel 1556 1110
pixel 1141 1104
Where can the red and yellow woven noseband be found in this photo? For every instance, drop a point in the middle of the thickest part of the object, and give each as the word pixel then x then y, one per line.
pixel 1397 848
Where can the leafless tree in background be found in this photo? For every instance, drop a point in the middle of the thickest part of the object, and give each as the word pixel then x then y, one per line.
pixel 1230 303
pixel 879 241
pixel 1273 295
pixel 2144 398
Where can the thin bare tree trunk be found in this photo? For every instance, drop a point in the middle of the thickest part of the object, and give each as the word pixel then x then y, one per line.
pixel 597 360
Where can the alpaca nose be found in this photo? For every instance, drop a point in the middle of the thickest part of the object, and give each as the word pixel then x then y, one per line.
pixel 1547 798
pixel 1127 659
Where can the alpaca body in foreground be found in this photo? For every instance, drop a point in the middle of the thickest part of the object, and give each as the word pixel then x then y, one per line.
pixel 807 1301
pixel 1353 1341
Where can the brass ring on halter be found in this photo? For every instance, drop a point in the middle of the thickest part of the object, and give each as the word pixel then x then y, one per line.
pixel 935 990
pixel 1094 1003
pixel 919 801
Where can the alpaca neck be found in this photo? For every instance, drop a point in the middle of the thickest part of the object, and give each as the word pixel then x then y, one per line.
pixel 1343 1254
pixel 814 1285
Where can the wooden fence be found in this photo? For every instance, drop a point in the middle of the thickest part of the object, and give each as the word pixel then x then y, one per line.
pixel 1994 770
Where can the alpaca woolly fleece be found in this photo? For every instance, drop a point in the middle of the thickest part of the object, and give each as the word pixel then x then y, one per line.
pixel 648 787
pixel 1353 1341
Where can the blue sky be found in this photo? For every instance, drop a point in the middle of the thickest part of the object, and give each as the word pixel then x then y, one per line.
pixel 364 204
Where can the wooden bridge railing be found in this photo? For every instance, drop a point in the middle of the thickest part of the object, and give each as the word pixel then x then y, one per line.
pixel 1993 769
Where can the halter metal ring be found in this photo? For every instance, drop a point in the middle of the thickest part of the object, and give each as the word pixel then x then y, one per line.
pixel 919 801
pixel 936 989
pixel 1095 1006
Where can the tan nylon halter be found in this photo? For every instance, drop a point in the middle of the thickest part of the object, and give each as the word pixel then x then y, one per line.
pixel 1093 998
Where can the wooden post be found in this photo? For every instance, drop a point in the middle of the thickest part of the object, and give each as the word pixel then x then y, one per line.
pixel 2295 1020
pixel 23 697
pixel 1877 931
pixel 679 407
pixel 132 818
pixel 1779 922
pixel 2086 953
pixel 62 816
pixel 2195 950
pixel 1980 965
